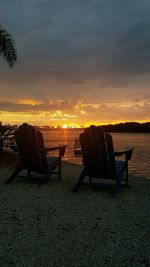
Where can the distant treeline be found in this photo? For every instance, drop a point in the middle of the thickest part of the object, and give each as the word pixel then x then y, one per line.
pixel 127 127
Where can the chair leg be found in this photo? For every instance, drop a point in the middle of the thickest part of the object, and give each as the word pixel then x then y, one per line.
pixel 59 170
pixel 15 173
pixel 126 175
pixel 43 180
pixel 28 173
pixel 90 179
pixel 81 178
pixel 117 186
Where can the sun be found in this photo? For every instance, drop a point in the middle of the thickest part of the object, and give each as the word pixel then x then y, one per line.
pixel 64 126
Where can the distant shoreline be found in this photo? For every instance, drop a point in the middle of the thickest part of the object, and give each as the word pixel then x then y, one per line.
pixel 79 129
pixel 127 127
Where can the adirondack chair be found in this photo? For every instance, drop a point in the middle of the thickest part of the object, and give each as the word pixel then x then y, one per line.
pixel 99 158
pixel 32 154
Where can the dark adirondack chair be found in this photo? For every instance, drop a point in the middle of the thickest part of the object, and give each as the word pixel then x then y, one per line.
pixel 33 154
pixel 99 158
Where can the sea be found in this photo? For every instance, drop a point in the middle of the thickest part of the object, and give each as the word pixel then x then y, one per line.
pixel 139 164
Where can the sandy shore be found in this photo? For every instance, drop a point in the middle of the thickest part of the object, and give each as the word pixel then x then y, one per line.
pixel 50 226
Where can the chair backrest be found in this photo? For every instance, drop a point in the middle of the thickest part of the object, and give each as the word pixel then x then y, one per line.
pixel 98 153
pixel 31 148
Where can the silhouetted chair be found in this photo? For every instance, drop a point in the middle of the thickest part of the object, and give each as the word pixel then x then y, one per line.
pixel 99 158
pixel 32 154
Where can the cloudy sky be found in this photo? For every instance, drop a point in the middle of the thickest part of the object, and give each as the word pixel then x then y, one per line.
pixel 79 62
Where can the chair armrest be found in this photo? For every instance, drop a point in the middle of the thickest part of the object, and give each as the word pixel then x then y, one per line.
pixel 127 153
pixel 78 152
pixel 60 148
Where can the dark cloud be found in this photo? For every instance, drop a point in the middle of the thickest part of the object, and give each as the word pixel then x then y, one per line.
pixel 65 31
pixel 73 49
pixel 17 107
pixel 134 50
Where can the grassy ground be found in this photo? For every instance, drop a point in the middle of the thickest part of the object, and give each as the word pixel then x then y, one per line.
pixel 51 226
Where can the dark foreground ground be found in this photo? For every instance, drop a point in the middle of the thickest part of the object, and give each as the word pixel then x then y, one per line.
pixel 51 226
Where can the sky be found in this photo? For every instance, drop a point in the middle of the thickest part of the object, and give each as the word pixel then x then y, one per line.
pixel 80 62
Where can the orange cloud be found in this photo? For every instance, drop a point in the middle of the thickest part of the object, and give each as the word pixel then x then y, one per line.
pixel 81 105
pixel 28 101
pixel 59 115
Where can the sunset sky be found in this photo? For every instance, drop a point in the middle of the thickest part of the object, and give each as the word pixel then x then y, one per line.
pixel 79 62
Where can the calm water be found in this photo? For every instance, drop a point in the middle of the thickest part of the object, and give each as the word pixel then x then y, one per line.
pixel 140 163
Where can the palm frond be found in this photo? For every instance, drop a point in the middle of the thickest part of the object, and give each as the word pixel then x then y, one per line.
pixel 6 134
pixel 7 47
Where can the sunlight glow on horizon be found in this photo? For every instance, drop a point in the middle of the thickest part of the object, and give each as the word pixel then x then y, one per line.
pixel 43 120
pixel 73 113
